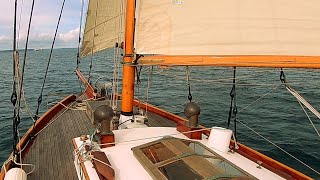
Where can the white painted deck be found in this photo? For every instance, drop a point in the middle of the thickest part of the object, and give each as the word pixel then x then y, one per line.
pixel 126 166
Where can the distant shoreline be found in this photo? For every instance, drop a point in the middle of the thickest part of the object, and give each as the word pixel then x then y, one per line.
pixel 34 49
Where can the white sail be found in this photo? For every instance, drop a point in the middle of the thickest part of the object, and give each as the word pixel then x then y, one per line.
pixel 104 25
pixel 228 27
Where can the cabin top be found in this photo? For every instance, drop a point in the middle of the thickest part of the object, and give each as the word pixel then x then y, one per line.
pixel 133 157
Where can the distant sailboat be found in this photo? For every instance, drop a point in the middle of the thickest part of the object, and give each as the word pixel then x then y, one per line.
pixel 141 141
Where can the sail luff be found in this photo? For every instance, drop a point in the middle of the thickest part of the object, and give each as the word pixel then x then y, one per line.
pixel 102 26
pixel 308 62
pixel 128 70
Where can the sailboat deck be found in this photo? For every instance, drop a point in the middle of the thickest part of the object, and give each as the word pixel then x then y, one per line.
pixel 52 150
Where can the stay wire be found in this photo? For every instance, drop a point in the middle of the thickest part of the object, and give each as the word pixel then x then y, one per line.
pixel 17 118
pixel 94 32
pixel 80 29
pixel 301 101
pixel 188 81
pixel 49 60
pixel 278 147
pixel 233 105
pixel 14 84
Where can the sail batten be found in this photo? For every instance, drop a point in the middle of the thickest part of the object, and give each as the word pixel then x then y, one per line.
pixel 104 25
pixel 228 27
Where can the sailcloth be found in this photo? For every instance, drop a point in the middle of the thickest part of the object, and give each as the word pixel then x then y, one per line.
pixel 228 27
pixel 104 25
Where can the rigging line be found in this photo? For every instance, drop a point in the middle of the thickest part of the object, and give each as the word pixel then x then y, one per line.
pixel 27 107
pixel 302 100
pixel 94 35
pixel 115 56
pixel 188 83
pixel 149 85
pixel 14 83
pixel 20 24
pixel 297 95
pixel 278 147
pixel 273 89
pixel 232 99
pixel 219 81
pixel 17 118
pixel 50 55
pixel 314 127
pixel 153 137
pixel 79 38
pixel 49 93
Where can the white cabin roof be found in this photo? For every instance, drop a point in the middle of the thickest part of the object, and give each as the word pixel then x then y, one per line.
pixel 126 166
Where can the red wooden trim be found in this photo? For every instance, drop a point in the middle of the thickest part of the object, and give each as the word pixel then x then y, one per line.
pixel 80 159
pixel 40 124
pixel 89 89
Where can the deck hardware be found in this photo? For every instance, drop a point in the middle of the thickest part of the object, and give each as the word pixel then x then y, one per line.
pixel 259 164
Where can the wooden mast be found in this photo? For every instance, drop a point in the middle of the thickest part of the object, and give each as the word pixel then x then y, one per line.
pixel 128 69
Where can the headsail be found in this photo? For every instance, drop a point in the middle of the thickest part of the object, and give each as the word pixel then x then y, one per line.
pixel 228 27
pixel 104 25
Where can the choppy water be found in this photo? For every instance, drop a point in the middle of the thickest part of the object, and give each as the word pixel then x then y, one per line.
pixel 277 116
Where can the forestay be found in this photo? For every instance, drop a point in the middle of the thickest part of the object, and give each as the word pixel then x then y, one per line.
pixel 228 27
pixel 104 25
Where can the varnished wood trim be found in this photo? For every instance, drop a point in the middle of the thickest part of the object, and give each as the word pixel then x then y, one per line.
pixel 276 61
pixel 40 124
pixel 80 159
pixel 89 89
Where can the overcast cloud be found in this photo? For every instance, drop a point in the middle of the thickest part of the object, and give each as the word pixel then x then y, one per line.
pixel 45 17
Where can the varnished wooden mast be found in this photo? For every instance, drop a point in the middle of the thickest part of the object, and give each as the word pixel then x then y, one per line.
pixel 128 70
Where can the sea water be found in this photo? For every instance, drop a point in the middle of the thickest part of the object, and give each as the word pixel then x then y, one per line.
pixel 263 103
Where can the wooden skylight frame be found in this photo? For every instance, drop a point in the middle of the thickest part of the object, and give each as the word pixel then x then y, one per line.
pixel 162 157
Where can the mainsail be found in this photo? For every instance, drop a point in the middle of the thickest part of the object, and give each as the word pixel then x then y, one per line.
pixel 104 25
pixel 228 27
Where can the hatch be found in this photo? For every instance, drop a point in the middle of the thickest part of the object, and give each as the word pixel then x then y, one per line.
pixel 173 158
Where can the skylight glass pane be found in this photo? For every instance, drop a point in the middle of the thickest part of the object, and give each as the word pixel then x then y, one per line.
pixel 179 170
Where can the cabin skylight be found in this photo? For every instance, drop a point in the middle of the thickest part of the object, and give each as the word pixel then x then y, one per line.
pixel 173 158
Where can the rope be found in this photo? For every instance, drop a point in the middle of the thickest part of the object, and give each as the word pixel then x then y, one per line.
pixel 188 82
pixel 148 88
pixel 18 38
pixel 17 117
pixel 273 89
pixel 94 33
pixel 50 55
pixel 79 38
pixel 67 107
pixel 64 80
pixel 14 83
pixel 154 137
pixel 301 100
pixel 314 127
pixel 278 147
